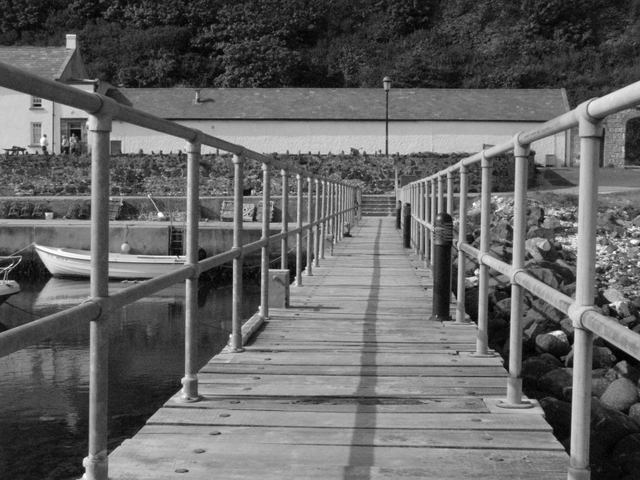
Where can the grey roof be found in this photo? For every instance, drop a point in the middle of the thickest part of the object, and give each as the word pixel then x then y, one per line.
pixel 350 104
pixel 48 62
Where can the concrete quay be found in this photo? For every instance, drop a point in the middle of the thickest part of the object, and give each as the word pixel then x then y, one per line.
pixel 144 237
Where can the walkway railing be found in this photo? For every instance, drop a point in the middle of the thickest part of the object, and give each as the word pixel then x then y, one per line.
pixel 427 198
pixel 329 205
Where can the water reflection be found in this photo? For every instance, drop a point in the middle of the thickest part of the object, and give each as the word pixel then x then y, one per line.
pixel 44 389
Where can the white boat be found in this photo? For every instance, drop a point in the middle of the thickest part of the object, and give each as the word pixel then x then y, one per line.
pixel 69 262
pixel 8 287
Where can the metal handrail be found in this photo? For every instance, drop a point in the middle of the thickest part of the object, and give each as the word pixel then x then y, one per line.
pixel 586 320
pixel 338 207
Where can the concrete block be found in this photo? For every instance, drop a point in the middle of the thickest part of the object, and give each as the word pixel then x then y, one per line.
pixel 279 288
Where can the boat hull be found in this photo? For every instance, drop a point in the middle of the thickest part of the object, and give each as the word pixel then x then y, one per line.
pixel 7 289
pixel 67 262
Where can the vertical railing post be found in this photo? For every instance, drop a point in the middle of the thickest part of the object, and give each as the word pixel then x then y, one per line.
pixel 482 341
pixel 236 308
pixel 415 231
pixel 514 382
pixel 284 243
pixel 189 392
pixel 418 216
pixel 323 225
pixel 590 132
pixel 309 269
pixel 266 230
pixel 406 225
pixel 450 188
pixel 461 313
pixel 96 463
pixel 434 214
pixel 316 218
pixel 299 234
pixel 427 218
pixel 421 228
pixel 441 205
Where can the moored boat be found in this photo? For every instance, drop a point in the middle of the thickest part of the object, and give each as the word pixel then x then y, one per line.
pixel 8 287
pixel 69 262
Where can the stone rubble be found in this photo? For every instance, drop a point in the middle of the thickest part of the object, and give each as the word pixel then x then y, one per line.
pixel 551 253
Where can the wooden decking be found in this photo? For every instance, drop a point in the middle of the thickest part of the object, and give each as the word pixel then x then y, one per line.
pixel 352 382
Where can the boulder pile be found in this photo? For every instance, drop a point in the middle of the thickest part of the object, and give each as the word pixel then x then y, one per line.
pixel 551 247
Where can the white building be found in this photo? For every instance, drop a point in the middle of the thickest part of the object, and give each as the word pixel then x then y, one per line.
pixel 283 120
pixel 335 120
pixel 25 118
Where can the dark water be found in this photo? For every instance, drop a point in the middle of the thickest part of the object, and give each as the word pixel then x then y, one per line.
pixel 44 389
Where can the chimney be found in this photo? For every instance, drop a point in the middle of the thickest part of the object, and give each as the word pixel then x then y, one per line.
pixel 197 99
pixel 72 43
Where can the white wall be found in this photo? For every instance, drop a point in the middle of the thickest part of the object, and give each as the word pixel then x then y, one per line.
pixel 17 116
pixel 325 136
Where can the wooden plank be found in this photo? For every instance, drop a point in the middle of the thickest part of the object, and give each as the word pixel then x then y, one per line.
pixel 153 459
pixel 512 440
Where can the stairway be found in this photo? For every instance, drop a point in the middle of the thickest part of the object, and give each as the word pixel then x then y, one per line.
pixel 378 205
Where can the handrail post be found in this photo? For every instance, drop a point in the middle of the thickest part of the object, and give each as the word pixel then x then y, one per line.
pixel 421 228
pixel 316 236
pixel 482 341
pixel 514 382
pixel 414 219
pixel 590 132
pixel 450 188
pixel 266 229
pixel 96 463
pixel 441 205
pixel 461 312
pixel 284 243
pixel 427 219
pixel 323 225
pixel 236 312
pixel 189 391
pixel 309 268
pixel 434 213
pixel 299 234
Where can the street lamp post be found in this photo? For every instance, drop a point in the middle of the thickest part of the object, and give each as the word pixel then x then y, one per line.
pixel 386 83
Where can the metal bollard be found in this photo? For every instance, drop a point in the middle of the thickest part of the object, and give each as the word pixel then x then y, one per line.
pixel 442 242
pixel 399 215
pixel 406 230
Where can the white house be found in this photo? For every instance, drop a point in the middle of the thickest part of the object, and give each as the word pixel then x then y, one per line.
pixel 281 120
pixel 26 118
pixel 336 120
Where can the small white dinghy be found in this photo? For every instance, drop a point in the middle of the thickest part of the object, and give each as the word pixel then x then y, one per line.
pixel 8 287
pixel 69 262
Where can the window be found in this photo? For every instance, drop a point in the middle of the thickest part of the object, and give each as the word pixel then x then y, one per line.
pixel 36 102
pixel 36 133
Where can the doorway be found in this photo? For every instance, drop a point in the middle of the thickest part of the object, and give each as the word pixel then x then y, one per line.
pixel 77 127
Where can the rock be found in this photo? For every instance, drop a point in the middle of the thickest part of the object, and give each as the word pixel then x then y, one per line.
pixel 556 383
pixel 627 454
pixel 624 370
pixel 502 309
pixel 613 295
pixel 566 325
pixel 539 232
pixel 541 249
pixel 602 358
pixel 535 216
pixel 599 385
pixel 555 343
pixel 544 313
pixel 634 412
pixel 552 222
pixel 608 427
pixel 620 395
pixel 545 275
pixel 558 414
pixel 622 308
pixel 535 367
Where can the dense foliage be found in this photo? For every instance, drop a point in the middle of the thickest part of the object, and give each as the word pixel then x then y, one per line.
pixel 589 47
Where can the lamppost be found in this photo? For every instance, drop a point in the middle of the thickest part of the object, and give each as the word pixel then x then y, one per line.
pixel 386 83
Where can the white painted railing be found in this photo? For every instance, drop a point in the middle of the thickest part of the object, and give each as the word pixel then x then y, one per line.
pixel 332 206
pixel 427 198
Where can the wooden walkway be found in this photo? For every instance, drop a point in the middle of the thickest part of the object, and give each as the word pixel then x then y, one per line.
pixel 352 382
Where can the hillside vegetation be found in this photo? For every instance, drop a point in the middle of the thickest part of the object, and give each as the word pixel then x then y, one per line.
pixel 589 47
